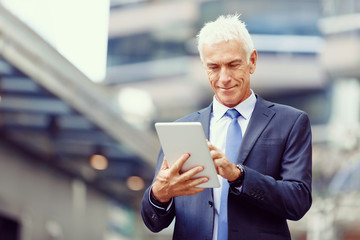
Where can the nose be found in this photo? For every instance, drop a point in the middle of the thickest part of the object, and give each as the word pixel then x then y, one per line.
pixel 224 76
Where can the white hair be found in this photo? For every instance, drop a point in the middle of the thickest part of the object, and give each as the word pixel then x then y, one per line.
pixel 225 28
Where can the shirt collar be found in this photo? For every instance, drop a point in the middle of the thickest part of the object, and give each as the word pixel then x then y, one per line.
pixel 245 108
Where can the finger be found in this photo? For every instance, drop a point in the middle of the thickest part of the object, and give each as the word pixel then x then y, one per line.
pixel 197 181
pixel 164 164
pixel 190 173
pixel 211 146
pixel 218 164
pixel 179 163
pixel 192 186
pixel 189 191
pixel 222 162
pixel 215 154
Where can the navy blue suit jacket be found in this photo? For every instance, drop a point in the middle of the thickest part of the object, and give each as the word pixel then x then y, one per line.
pixel 276 154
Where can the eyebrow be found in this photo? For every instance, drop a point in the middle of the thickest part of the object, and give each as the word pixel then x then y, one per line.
pixel 235 61
pixel 231 62
pixel 211 64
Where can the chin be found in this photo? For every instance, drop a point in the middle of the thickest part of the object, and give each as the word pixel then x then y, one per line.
pixel 228 101
pixel 229 104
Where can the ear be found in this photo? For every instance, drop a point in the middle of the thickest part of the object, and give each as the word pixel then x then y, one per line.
pixel 252 61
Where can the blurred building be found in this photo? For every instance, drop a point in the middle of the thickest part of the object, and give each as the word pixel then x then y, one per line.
pixel 77 152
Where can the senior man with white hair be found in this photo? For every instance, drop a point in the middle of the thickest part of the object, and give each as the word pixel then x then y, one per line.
pixel 261 151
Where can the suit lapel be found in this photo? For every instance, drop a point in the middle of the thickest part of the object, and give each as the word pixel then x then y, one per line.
pixel 204 119
pixel 260 118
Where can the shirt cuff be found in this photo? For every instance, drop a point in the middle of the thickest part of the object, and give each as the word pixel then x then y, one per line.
pixel 159 205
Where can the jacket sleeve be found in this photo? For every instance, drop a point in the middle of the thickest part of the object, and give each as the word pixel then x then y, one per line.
pixel 155 219
pixel 289 194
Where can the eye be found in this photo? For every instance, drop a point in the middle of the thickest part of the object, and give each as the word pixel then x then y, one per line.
pixel 234 65
pixel 212 67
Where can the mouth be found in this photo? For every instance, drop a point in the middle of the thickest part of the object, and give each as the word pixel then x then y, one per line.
pixel 226 88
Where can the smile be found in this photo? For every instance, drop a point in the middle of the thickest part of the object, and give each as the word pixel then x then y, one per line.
pixel 227 88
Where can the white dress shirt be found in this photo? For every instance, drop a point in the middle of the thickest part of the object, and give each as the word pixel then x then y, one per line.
pixel 219 123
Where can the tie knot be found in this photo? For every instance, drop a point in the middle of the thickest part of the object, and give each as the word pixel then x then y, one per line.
pixel 233 113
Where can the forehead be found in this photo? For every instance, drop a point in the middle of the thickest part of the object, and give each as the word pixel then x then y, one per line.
pixel 224 51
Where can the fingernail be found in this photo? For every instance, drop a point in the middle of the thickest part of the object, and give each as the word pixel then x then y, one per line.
pixel 186 154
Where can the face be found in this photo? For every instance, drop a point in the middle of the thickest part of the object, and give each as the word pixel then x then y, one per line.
pixel 229 70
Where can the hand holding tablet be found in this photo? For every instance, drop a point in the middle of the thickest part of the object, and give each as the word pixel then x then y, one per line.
pixel 177 138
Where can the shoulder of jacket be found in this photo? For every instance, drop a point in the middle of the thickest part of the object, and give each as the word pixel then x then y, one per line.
pixel 281 108
pixel 193 116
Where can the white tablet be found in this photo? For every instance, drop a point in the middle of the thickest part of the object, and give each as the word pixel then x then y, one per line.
pixel 177 138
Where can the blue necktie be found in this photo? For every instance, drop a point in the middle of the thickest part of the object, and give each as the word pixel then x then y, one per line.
pixel 233 141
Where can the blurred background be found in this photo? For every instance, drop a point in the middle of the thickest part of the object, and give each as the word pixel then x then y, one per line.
pixel 83 82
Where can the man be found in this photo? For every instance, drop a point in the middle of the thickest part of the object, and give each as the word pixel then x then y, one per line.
pixel 263 156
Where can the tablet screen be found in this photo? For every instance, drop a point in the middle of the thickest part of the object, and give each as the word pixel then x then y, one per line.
pixel 177 138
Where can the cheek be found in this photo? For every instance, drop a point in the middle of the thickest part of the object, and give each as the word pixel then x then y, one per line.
pixel 243 77
pixel 212 84
pixel 211 75
pixel 212 79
